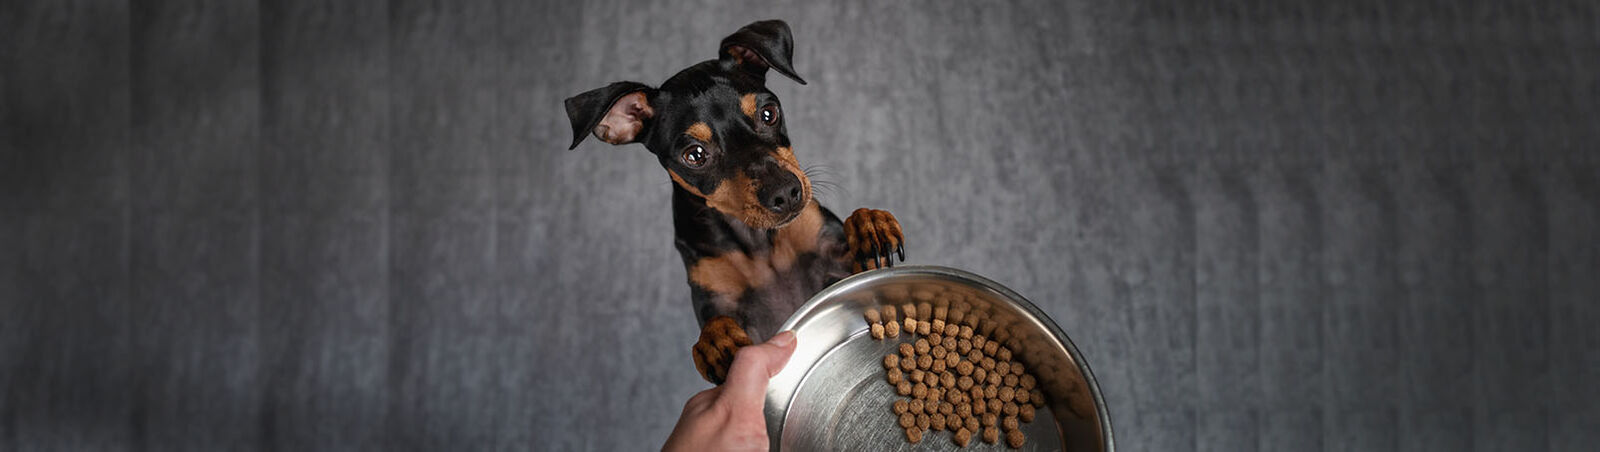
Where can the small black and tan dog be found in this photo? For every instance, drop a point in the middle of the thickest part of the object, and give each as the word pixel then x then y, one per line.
pixel 755 243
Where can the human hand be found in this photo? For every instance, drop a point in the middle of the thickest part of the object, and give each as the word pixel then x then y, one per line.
pixel 729 417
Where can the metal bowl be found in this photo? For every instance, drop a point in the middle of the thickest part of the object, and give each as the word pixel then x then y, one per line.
pixel 832 394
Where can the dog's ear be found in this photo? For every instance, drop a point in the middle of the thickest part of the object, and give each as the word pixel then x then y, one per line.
pixel 761 45
pixel 616 114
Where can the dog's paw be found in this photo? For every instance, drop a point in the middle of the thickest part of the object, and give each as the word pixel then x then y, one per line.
pixel 875 239
pixel 713 354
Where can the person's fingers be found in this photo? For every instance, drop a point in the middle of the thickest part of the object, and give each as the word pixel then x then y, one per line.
pixel 752 367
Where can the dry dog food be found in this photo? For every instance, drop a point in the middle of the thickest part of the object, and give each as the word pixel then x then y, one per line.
pixel 954 374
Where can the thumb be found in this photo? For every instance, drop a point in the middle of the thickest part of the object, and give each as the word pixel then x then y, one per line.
pixel 753 366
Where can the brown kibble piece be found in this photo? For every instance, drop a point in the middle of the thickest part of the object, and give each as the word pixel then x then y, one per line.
pixel 1026 381
pixel 895 376
pixel 872 316
pixel 923 420
pixel 977 394
pixel 972 424
pixel 978 341
pixel 1023 397
pixel 914 407
pixel 921 346
pixel 938 365
pixel 1015 439
pixel 957 315
pixel 1016 368
pixel 994 378
pixel 1010 409
pixel 991 347
pixel 962 437
pixel 988 363
pixel 914 434
pixel 1002 367
pixel 938 352
pixel 923 328
pixel 1009 380
pixel 964 410
pixel 965 332
pixel 1036 396
pixel 947 379
pixel 1004 354
pixel 964 382
pixel 919 390
pixel 989 419
pixel 936 421
pixel 964 346
pixel 964 368
pixel 946 408
pixel 937 326
pixel 908 420
pixel 1009 423
pixel 910 310
pixel 991 434
pixel 891 330
pixel 907 363
pixel 951 359
pixel 995 406
pixel 1007 394
pixel 979 375
pixel 924 362
pixel 877 330
pixel 903 388
pixel 949 343
pixel 975 355
pixel 901 406
pixel 891 361
pixel 951 330
pixel 925 310
pixel 934 339
pixel 909 325
pixel 940 313
pixel 907 351
pixel 889 314
pixel 1025 412
pixel 931 406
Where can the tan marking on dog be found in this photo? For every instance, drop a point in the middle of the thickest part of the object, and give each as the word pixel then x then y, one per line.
pixel 747 104
pixel 730 275
pixel 735 197
pixel 798 237
pixel 700 131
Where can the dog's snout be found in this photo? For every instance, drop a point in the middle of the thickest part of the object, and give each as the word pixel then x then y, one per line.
pixel 782 198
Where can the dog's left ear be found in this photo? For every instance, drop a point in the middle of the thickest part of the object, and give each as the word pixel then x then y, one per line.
pixel 617 114
pixel 761 45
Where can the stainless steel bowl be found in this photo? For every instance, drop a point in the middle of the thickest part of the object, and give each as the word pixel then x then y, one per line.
pixel 832 394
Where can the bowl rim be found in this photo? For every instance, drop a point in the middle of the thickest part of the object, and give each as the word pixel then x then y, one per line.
pixel 863 278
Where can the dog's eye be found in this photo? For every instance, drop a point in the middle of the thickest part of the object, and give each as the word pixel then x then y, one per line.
pixel 769 115
pixel 694 156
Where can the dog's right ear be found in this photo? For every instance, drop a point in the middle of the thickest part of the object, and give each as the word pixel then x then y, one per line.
pixel 616 114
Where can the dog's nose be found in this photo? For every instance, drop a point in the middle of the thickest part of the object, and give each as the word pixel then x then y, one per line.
pixel 782 198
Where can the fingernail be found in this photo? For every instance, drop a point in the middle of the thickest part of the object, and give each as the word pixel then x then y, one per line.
pixel 782 339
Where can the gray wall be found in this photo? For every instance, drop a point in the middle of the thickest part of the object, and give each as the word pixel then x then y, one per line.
pixel 294 226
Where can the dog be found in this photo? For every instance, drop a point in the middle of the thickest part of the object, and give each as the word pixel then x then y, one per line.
pixel 755 243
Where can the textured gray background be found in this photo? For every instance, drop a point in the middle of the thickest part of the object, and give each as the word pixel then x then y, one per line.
pixel 295 226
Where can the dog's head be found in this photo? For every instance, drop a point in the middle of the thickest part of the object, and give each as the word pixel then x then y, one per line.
pixel 715 127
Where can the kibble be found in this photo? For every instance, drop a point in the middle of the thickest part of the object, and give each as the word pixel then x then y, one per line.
pixel 953 376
